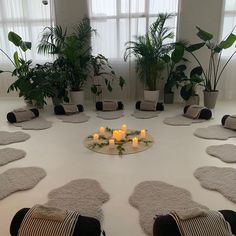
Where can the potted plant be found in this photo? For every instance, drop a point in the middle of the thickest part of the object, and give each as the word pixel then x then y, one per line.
pixel 214 71
pixel 30 83
pixel 149 51
pixel 175 73
pixel 188 91
pixel 75 50
pixel 102 71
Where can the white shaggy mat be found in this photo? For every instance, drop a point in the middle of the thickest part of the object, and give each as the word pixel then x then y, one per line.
pixel 222 180
pixel 110 115
pixel 181 120
pixel 153 198
pixel 215 132
pixel 145 114
pixel 225 152
pixel 10 154
pixel 34 124
pixel 12 137
pixel 75 118
pixel 19 179
pixel 83 195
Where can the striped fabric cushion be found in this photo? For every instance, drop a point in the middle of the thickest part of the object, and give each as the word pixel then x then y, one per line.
pixel 42 227
pixel 213 224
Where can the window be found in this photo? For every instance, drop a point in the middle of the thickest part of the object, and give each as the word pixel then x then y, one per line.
pixel 27 18
pixel 118 21
pixel 229 22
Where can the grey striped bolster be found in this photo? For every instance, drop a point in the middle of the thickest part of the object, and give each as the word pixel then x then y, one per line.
pixel 213 224
pixel 42 227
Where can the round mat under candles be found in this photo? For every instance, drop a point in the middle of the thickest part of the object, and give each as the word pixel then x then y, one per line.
pixel 143 144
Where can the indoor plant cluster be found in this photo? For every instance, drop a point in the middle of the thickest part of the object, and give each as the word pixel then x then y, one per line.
pixel 65 78
pixel 155 57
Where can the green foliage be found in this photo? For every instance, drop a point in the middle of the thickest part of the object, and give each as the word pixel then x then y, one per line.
pixel 175 73
pixel 74 49
pixel 101 69
pixel 30 83
pixel 150 50
pixel 190 83
pixel 213 73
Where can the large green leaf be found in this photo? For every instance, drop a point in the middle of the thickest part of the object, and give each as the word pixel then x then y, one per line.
pixel 196 71
pixel 205 36
pixel 1 71
pixel 16 59
pixel 166 58
pixel 195 47
pixel 178 53
pixel 14 38
pixel 228 42
pixel 25 46
pixel 181 68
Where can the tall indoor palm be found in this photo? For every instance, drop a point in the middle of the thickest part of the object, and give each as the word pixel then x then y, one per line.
pixel 73 49
pixel 149 50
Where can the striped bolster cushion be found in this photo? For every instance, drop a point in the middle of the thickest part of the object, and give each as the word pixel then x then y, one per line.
pixel 31 226
pixel 213 224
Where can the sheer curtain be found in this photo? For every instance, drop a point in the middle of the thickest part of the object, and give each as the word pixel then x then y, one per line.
pixel 119 21
pixel 27 18
pixel 227 85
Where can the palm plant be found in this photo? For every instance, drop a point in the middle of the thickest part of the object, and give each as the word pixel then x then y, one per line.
pixel 75 49
pixel 149 51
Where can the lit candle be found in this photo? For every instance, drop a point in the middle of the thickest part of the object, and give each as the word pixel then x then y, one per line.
pixel 101 130
pixel 111 143
pixel 143 133
pixel 95 137
pixel 122 133
pixel 124 127
pixel 135 142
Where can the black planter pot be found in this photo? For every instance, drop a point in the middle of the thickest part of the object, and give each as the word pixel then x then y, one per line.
pixel 168 98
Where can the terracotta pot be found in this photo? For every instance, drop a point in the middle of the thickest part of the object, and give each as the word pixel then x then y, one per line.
pixel 168 98
pixel 151 95
pixel 210 99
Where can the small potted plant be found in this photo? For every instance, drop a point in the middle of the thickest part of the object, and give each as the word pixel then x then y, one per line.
pixel 214 71
pixel 149 51
pixel 102 71
pixel 175 73
pixel 188 91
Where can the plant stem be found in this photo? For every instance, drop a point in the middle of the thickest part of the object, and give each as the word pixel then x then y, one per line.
pixel 225 67
pixel 204 73
pixel 7 57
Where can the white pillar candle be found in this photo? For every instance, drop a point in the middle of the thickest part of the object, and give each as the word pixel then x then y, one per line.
pixel 101 130
pixel 135 142
pixel 124 127
pixel 95 137
pixel 143 133
pixel 111 143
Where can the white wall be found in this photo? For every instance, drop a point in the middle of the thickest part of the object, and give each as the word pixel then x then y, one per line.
pixel 204 13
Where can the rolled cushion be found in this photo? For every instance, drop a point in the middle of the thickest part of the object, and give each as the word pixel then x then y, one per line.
pixel 85 226
pixel 100 106
pixel 205 113
pixel 166 225
pixel 11 116
pixel 159 106
pixel 229 122
pixel 59 109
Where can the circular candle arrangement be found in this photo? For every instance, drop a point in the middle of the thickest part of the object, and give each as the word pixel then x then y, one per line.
pixel 119 141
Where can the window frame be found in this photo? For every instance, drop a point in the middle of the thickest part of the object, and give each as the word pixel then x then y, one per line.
pixel 119 15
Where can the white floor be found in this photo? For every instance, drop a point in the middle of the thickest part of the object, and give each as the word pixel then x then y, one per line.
pixel 60 151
